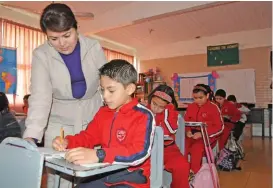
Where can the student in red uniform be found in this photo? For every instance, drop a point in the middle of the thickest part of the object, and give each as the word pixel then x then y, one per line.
pixel 162 103
pixel 201 110
pixel 25 100
pixel 239 127
pixel 230 114
pixel 123 128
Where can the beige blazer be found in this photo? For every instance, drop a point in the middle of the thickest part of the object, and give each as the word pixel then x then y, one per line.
pixel 51 100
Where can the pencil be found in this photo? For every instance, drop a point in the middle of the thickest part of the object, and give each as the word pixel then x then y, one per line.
pixel 62 135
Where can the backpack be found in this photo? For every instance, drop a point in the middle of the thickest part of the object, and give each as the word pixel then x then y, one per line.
pixel 229 157
pixel 207 176
pixel 227 160
pixel 235 147
pixel 203 178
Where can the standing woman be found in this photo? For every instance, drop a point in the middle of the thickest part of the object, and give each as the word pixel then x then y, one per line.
pixel 64 79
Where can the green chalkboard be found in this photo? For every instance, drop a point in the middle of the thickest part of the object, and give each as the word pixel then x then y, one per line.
pixel 222 55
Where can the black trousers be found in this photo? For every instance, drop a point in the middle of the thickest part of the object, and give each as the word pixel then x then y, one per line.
pixel 238 130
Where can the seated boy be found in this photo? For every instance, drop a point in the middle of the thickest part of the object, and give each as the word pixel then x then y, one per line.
pixel 231 115
pixel 238 129
pixel 123 128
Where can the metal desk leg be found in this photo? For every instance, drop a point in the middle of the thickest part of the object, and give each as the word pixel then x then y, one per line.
pixel 57 180
pixel 270 134
pixel 263 131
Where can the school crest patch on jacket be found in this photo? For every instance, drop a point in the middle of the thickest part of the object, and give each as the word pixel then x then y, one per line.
pixel 121 135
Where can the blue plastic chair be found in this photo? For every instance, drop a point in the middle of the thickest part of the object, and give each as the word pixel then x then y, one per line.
pixel 157 159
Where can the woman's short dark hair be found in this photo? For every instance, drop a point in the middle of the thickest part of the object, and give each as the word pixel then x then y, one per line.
pixel 166 89
pixel 57 17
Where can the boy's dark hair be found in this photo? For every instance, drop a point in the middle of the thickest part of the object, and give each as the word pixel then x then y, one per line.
pixel 4 102
pixel 221 93
pixel 57 17
pixel 204 89
pixel 26 97
pixel 232 98
pixel 119 70
pixel 166 89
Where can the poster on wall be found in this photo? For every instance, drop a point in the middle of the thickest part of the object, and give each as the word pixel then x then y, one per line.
pixel 184 85
pixel 240 82
pixel 8 70
pixel 223 55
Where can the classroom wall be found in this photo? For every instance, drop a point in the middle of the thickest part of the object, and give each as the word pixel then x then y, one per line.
pixel 256 58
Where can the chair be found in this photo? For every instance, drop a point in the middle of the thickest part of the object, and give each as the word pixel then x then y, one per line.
pixel 180 141
pixel 21 164
pixel 157 159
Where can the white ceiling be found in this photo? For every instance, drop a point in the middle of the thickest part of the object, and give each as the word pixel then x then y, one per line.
pixel 226 18
pixel 95 7
pixel 147 26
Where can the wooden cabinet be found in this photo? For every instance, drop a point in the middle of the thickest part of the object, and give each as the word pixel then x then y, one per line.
pixel 146 84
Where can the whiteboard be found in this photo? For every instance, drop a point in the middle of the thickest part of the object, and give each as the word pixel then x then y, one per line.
pixel 240 82
pixel 187 84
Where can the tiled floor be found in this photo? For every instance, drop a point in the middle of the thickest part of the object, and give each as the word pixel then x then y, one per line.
pixel 257 167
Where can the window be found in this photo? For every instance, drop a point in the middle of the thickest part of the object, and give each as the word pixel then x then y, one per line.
pixel 111 54
pixel 25 39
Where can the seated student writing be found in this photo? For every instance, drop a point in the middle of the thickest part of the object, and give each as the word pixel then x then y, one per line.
pixel 123 128
pixel 162 103
pixel 230 114
pixel 201 110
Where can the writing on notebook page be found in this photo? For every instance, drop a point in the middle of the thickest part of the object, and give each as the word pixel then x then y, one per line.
pixel 51 153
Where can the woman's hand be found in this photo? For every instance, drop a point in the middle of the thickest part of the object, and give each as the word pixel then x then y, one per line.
pixel 59 144
pixel 82 156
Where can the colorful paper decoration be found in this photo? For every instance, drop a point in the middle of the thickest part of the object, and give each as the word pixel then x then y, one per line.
pixel 215 74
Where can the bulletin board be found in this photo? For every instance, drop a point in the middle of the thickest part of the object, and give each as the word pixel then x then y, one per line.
pixel 240 82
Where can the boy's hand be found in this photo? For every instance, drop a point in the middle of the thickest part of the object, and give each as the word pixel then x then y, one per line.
pixel 189 134
pixel 82 156
pixel 59 144
pixel 197 136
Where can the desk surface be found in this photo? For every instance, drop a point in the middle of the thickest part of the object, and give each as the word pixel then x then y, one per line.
pixel 79 171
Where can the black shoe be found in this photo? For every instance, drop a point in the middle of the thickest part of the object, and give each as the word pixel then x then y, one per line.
pixel 238 168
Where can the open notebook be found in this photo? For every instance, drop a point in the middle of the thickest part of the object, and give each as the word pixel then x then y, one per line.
pixel 51 153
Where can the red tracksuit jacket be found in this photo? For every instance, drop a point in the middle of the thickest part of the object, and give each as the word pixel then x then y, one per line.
pixel 230 111
pixel 209 113
pixel 168 121
pixel 126 136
